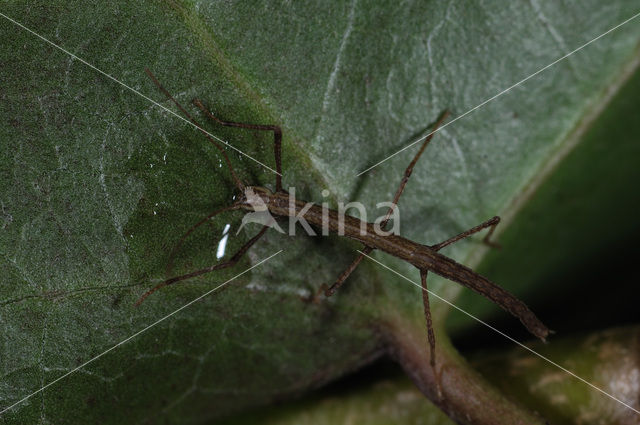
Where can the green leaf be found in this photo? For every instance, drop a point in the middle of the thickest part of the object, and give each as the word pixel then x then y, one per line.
pixel 98 184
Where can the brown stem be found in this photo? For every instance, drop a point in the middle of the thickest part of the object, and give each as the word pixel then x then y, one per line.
pixel 466 396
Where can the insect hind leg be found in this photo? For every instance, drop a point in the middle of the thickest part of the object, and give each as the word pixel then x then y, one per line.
pixel 431 337
pixel 491 224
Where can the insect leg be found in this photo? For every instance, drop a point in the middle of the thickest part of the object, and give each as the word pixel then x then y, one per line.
pixel 277 138
pixel 191 229
pixel 345 274
pixel 430 334
pixel 367 250
pixel 237 180
pixel 427 314
pixel 231 262
pixel 412 164
pixel 491 223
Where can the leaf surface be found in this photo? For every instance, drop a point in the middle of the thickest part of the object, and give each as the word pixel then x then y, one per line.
pixel 98 184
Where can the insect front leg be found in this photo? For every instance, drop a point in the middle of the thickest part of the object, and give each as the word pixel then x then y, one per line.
pixel 236 179
pixel 277 138
pixel 232 262
pixel 191 230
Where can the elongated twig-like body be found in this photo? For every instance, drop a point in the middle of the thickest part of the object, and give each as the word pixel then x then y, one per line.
pixel 425 258
pixel 422 256
pixel 260 201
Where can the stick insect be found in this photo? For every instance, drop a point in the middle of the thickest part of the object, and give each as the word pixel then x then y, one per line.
pixel 424 257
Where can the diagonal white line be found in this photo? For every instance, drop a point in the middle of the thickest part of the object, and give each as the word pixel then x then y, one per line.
pixel 503 334
pixel 135 335
pixel 134 90
pixel 420 139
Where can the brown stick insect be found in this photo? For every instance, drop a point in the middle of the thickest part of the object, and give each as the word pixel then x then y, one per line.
pixel 424 257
